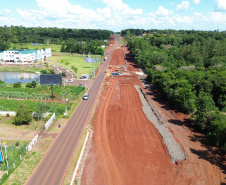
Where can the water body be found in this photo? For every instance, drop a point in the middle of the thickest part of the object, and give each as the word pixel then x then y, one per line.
pixel 14 77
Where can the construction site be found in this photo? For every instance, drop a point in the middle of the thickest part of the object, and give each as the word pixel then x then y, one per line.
pixel 138 139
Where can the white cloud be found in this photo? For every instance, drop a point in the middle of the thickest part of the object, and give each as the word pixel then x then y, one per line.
pixel 197 14
pixel 196 1
pixel 106 12
pixel 221 5
pixel 115 15
pixel 4 12
pixel 183 6
pixel 63 8
pixel 4 19
pixel 163 12
pixel 119 6
pixel 183 19
pixel 217 17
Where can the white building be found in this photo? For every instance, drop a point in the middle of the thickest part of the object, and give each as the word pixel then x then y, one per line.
pixel 28 56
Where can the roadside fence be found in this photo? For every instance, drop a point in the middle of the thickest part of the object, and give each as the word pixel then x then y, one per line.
pixel 30 146
pixel 4 113
pixel 50 121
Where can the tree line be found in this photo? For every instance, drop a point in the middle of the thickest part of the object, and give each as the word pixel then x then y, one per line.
pixel 189 69
pixel 93 46
pixel 20 34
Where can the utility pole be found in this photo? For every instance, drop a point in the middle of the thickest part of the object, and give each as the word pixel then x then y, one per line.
pixel 2 157
pixel 66 107
pixel 6 158
pixel 94 72
pixel 85 84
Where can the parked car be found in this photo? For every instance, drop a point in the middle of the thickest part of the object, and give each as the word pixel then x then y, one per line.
pixel 84 76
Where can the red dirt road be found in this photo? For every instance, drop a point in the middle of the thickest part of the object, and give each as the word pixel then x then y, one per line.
pixel 117 58
pixel 111 40
pixel 127 148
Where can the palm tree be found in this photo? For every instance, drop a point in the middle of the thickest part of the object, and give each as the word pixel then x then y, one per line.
pixel 75 70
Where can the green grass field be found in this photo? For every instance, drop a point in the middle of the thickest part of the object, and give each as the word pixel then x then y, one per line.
pixel 75 59
pixel 20 68
pixel 54 47
pixel 121 40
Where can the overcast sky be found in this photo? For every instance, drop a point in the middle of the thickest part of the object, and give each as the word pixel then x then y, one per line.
pixel 116 15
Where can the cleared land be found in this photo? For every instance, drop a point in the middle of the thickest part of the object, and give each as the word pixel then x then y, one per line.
pixel 118 58
pixel 126 146
pixel 127 149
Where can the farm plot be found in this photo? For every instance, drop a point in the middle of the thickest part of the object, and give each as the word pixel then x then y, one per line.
pixel 40 92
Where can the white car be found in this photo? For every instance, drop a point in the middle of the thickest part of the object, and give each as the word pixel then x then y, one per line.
pixel 86 96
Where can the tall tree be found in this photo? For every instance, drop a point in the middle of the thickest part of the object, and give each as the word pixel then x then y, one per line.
pixel 23 116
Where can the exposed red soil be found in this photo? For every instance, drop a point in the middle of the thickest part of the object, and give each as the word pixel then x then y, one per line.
pixel 127 148
pixel 108 49
pixel 111 40
pixel 205 164
pixel 117 58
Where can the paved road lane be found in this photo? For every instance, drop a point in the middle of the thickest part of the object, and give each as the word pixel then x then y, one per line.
pixel 53 166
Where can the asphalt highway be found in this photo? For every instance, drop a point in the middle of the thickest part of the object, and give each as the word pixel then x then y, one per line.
pixel 53 166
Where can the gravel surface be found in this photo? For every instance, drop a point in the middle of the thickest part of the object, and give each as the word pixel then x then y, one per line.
pixel 174 149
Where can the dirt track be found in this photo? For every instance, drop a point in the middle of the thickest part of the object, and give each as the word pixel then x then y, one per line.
pixel 127 148
pixel 117 58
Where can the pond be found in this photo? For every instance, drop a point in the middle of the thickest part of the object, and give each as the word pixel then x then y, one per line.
pixel 14 77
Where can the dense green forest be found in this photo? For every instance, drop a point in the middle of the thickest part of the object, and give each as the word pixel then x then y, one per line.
pixel 189 69
pixel 93 46
pixel 19 34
